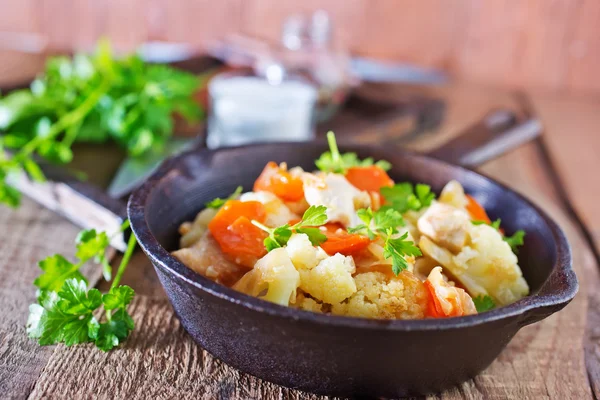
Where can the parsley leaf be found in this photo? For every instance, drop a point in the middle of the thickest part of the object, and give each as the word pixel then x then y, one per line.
pixel 484 303
pixel 278 237
pixel 91 244
pixel 219 202
pixel 66 307
pixel 515 240
pixel 397 249
pixel 404 196
pixel 495 224
pixel 334 161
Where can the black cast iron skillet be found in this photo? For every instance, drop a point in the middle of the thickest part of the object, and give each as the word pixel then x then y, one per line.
pixel 340 355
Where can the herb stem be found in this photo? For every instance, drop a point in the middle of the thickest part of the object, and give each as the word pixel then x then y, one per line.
pixel 335 152
pixel 261 226
pixel 124 261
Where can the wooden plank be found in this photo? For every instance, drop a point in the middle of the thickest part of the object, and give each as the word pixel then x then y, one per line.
pixel 27 235
pixel 544 360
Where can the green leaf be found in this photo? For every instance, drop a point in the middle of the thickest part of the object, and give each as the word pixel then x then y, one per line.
pixel 56 152
pixel 14 140
pixel 115 331
pixel 34 170
pixel 424 194
pixel 333 161
pixel 483 303
pixel 42 128
pixel 91 244
pixel 397 249
pixel 518 239
pixel 271 244
pixel 315 235
pixel 495 224
pixel 141 141
pixel 314 216
pixel 9 195
pixel 118 297
pixel 57 270
pixel 77 299
pixel 218 202
pixel 402 197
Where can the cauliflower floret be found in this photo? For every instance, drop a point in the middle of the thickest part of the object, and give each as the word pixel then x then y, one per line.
pixel 381 295
pixel 338 195
pixel 276 211
pixel 487 266
pixel 446 225
pixel 453 194
pixel 302 253
pixel 306 303
pixel 191 232
pixel 273 278
pixel 331 280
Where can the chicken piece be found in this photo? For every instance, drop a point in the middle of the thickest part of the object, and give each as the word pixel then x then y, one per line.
pixel 446 225
pixel 273 278
pixel 206 258
pixel 277 213
pixel 447 300
pixel 386 296
pixel 453 194
pixel 338 195
pixel 191 232
pixel 487 266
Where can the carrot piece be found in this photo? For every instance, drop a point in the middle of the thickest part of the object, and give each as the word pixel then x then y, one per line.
pixel 370 178
pixel 340 241
pixel 280 182
pixel 236 235
pixel 477 211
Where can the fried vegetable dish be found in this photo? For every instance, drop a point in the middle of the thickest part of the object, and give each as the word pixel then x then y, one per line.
pixel 348 240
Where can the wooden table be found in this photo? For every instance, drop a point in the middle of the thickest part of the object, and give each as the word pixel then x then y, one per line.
pixel 558 358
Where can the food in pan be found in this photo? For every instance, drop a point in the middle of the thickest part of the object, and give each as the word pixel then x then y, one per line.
pixel 348 240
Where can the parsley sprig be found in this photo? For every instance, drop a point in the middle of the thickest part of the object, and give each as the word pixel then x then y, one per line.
pixel 514 241
pixel 219 202
pixel 334 161
pixel 93 99
pixel 405 196
pixel 384 223
pixel 278 237
pixel 66 311
pixel 484 303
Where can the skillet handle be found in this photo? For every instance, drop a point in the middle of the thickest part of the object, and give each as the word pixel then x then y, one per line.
pixel 497 133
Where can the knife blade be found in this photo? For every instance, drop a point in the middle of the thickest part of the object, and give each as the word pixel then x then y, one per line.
pixel 135 170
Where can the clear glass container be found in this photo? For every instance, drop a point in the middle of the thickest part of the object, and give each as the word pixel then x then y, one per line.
pixel 245 108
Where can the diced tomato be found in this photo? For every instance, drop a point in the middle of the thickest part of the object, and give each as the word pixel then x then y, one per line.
pixel 236 235
pixel 476 210
pixel 279 181
pixel 340 241
pixel 370 178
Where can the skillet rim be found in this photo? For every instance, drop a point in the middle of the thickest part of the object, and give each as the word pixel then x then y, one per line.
pixel 545 297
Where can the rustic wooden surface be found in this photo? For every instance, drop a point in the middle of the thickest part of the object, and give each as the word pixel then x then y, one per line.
pixel 534 43
pixel 544 360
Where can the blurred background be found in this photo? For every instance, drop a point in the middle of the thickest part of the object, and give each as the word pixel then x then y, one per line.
pixel 540 44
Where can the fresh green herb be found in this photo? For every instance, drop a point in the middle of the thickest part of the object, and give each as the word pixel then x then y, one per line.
pixel 219 202
pixel 495 224
pixel 515 240
pixel 384 223
pixel 278 237
pixel 377 222
pixel 484 303
pixel 404 196
pixel 66 306
pixel 333 161
pixel 90 99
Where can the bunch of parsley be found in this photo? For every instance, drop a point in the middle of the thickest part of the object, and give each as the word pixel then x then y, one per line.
pixel 68 311
pixel 96 99
pixel 384 223
pixel 334 161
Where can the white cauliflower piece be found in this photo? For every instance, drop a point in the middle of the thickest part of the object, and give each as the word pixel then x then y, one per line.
pixel 273 278
pixel 453 194
pixel 277 213
pixel 386 296
pixel 302 253
pixel 487 266
pixel 446 225
pixel 331 280
pixel 340 197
